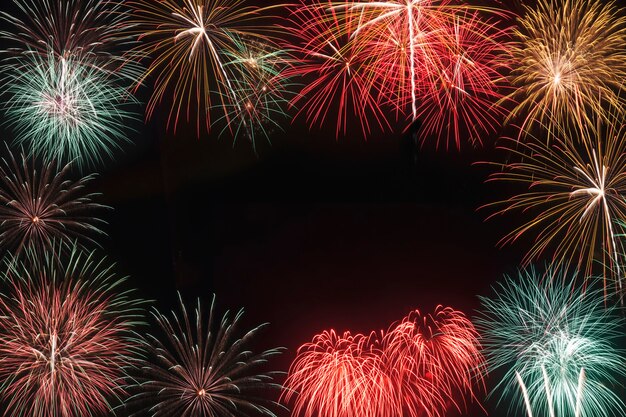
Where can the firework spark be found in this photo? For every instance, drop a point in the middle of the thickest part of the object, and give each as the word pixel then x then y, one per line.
pixel 555 343
pixel 436 356
pixel 66 336
pixel 63 108
pixel 38 209
pixel 204 371
pixel 575 196
pixel 569 62
pixel 335 69
pixel 188 41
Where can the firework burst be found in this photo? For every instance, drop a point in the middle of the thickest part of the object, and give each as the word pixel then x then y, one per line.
pixel 575 188
pixel 189 42
pixel 569 62
pixel 63 108
pixel 199 370
pixel 337 76
pixel 341 376
pixel 555 343
pixel 462 95
pixel 66 336
pixel 436 356
pixel 38 209
pixel 418 368
pixel 91 29
pixel 418 19
pixel 261 89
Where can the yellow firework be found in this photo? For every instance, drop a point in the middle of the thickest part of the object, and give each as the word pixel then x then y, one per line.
pixel 574 190
pixel 189 41
pixel 569 62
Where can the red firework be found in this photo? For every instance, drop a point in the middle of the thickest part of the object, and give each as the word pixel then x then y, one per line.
pixel 463 93
pixel 65 337
pixel 341 376
pixel 434 358
pixel 340 83
pixel 420 367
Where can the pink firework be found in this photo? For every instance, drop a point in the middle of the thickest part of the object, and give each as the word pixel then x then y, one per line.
pixel 337 72
pixel 65 337
pixel 462 96
pixel 434 358
pixel 341 376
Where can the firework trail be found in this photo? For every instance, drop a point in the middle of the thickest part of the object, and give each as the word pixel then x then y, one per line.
pixel 199 369
pixel 570 63
pixel 66 336
pixel 574 194
pixel 555 343
pixel 38 209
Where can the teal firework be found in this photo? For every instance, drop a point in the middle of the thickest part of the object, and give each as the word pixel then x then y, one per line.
pixel 63 108
pixel 555 344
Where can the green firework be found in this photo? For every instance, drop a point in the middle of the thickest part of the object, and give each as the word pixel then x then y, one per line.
pixel 258 95
pixel 63 108
pixel 554 342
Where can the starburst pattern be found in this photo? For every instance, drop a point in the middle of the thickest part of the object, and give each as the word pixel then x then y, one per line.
pixel 188 41
pixel 63 108
pixel 66 336
pixel 574 194
pixel 90 29
pixel 202 370
pixel 569 62
pixel 555 342
pixel 260 87
pixel 338 81
pixel 38 209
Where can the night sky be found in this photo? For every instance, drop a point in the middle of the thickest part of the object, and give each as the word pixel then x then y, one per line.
pixel 313 233
pixel 310 233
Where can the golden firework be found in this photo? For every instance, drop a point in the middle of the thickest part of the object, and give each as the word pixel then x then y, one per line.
pixel 569 62
pixel 573 194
